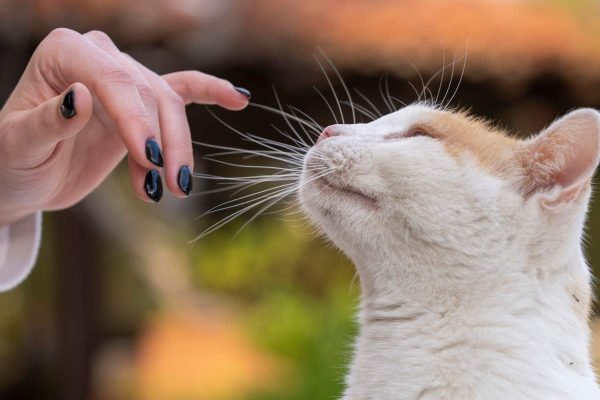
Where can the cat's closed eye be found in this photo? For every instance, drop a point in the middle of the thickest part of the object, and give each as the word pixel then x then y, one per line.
pixel 419 132
pixel 415 132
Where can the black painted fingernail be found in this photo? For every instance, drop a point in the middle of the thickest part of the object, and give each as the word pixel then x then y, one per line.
pixel 184 180
pixel 153 152
pixel 153 185
pixel 67 108
pixel 243 91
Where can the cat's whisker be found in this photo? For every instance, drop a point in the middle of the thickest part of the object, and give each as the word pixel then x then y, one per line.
pixel 415 90
pixel 310 138
pixel 424 88
pixel 294 149
pixel 462 74
pixel 261 210
pixel 292 154
pixel 450 82
pixel 246 199
pixel 443 69
pixel 252 178
pixel 237 131
pixel 361 109
pixel 246 156
pixel 288 117
pixel 258 153
pixel 327 103
pixel 344 86
pixel 387 92
pixel 385 100
pixel 318 126
pixel 398 101
pixel 271 200
pixel 218 190
pixel 434 76
pixel 232 164
pixel 297 143
pixel 288 182
pixel 291 205
pixel 234 180
pixel 282 113
pixel 224 221
pixel 297 146
pixel 335 96
pixel 369 102
pixel 251 200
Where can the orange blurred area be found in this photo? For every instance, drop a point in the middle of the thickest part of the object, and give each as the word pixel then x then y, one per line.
pixel 201 357
pixel 508 40
pixel 505 40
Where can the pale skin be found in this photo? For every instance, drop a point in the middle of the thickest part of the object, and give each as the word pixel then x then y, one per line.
pixel 51 157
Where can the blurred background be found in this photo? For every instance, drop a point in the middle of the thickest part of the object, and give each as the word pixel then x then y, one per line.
pixel 122 306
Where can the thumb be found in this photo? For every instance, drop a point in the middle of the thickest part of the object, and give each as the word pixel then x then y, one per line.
pixel 35 133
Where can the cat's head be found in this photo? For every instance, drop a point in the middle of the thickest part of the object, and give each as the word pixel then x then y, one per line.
pixel 425 186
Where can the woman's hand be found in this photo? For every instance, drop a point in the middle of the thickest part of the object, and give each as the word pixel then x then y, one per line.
pixel 79 107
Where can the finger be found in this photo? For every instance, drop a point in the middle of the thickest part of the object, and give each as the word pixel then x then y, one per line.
pixel 71 57
pixel 147 183
pixel 34 134
pixel 174 129
pixel 104 43
pixel 201 88
pixel 148 96
pixel 175 134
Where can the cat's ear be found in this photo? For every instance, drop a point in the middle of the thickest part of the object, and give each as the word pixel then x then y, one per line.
pixel 560 161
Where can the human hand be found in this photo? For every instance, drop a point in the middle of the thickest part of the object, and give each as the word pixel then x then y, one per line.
pixel 79 107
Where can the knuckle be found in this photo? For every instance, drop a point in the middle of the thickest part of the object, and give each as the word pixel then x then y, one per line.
pixel 137 118
pixel 56 39
pixel 184 89
pixel 211 89
pixel 147 95
pixel 145 90
pixel 116 74
pixel 60 34
pixel 197 74
pixel 172 98
pixel 98 36
pixel 127 56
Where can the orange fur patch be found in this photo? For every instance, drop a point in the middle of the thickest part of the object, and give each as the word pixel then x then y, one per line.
pixel 492 148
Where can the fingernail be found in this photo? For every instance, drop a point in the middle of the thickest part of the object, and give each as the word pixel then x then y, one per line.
pixel 67 108
pixel 184 180
pixel 153 152
pixel 153 185
pixel 243 91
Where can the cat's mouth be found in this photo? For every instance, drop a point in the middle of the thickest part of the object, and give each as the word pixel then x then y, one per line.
pixel 347 191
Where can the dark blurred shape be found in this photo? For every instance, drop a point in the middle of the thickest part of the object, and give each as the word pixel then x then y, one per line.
pixel 78 289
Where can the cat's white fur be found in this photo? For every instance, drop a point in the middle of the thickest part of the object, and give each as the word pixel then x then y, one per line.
pixel 468 248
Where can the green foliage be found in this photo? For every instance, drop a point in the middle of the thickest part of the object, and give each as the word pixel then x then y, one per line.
pixel 298 299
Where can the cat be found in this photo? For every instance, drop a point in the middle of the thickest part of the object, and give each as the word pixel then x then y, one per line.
pixel 467 243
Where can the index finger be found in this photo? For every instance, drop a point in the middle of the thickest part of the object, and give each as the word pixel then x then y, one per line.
pixel 73 58
pixel 201 88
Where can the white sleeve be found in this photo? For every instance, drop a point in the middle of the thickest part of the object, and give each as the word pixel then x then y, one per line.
pixel 19 244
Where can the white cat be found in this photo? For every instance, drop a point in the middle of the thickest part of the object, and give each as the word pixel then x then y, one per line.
pixel 468 247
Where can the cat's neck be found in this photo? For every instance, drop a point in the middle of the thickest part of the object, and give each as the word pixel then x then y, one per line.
pixel 516 336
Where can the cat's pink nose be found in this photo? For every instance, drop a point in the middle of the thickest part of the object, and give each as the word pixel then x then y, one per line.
pixel 331 130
